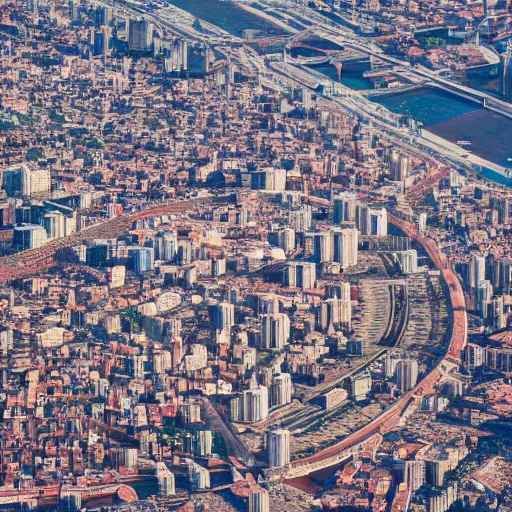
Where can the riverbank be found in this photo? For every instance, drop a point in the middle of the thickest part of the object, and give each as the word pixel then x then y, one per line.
pixel 229 17
pixel 455 119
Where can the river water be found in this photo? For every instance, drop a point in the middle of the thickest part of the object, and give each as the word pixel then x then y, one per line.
pixel 351 74
pixel 428 105
pixel 447 115
pixel 454 119
pixel 227 16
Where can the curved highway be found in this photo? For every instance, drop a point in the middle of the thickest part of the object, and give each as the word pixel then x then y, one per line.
pixel 391 416
pixel 28 262
pixel 34 260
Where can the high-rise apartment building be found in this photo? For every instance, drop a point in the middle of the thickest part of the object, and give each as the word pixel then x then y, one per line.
pixel 300 274
pixel 414 474
pixel 281 390
pixel 222 315
pixel 344 208
pixel 370 221
pixel 406 374
pixel 259 501
pixel 21 180
pixel 275 331
pixel 278 448
pixel 407 261
pixel 140 34
pixel 345 244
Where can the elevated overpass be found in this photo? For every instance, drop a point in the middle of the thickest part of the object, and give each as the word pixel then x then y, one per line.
pixel 329 57
pixel 487 100
pixel 122 491
pixel 30 261
pixel 351 40
pixel 420 189
pixel 457 300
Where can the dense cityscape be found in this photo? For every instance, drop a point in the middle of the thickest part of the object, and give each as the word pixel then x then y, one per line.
pixel 256 255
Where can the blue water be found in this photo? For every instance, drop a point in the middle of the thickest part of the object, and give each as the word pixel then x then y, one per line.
pixel 497 177
pixel 351 75
pixel 428 105
pixel 454 119
pixel 227 16
pixel 490 135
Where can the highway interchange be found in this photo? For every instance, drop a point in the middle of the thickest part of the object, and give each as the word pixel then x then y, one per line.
pixel 280 75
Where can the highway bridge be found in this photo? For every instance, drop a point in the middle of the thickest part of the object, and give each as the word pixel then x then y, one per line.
pixel 387 91
pixel 393 415
pixel 487 100
pixel 330 56
pixel 418 190
pixel 457 300
pixel 122 491
pixel 347 38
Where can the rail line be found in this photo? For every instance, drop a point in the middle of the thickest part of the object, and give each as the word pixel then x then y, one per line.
pixel 390 418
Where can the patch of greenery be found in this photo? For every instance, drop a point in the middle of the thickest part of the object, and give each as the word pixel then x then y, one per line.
pixel 34 154
pixel 5 126
pixel 153 123
pixel 94 144
pixel 78 132
pixel 44 61
pixel 432 42
pixel 56 118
